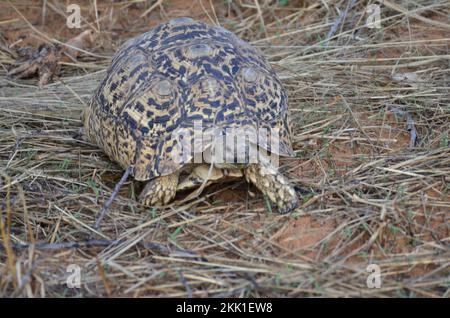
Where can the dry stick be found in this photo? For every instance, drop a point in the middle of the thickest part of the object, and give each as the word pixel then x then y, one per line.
pixel 26 279
pixel 261 17
pixel 49 39
pixel 340 20
pixel 101 271
pixel 156 4
pixel 400 9
pixel 326 25
pixel 112 197
pixel 5 231
pixel 409 125
pixel 214 12
pixel 185 284
pixel 207 14
pixel 152 246
pixel 81 244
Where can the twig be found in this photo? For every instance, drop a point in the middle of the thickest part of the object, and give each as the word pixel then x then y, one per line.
pixel 112 197
pixel 156 4
pixel 5 232
pixel 52 40
pixel 83 244
pixel 153 246
pixel 185 284
pixel 101 271
pixel 400 9
pixel 409 125
pixel 339 20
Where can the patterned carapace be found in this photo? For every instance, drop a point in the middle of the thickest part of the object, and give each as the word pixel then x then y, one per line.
pixel 181 72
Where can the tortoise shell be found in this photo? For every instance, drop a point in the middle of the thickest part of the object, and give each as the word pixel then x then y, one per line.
pixel 170 78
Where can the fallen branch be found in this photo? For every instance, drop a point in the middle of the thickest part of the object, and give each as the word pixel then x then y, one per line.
pixel 400 9
pixel 112 197
pixel 161 248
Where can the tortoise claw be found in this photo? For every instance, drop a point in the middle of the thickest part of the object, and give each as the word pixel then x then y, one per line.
pixel 274 185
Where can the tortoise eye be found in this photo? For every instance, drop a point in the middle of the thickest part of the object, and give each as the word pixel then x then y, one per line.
pixel 250 74
pixel 199 50
pixel 163 88
pixel 181 21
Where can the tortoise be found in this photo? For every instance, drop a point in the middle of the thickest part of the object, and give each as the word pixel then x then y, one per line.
pixel 185 79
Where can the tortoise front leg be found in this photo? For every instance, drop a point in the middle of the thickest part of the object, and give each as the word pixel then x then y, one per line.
pixel 160 190
pixel 273 184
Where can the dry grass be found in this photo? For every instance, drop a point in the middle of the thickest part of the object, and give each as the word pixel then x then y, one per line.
pixel 358 98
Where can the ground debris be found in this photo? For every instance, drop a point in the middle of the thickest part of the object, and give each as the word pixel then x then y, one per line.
pixel 45 61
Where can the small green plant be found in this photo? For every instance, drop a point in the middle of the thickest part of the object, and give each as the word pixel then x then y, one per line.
pixel 295 215
pixel 402 293
pixel 410 214
pixel 318 287
pixel 31 154
pixel 414 242
pixel 289 267
pixel 401 191
pixel 277 280
pixel 162 275
pixel 75 187
pixel 348 232
pixel 268 205
pixel 394 229
pixel 64 165
pixel 153 213
pixel 261 27
pixel 94 187
pixel 443 141
pixel 324 245
pixel 175 233
pixel 306 197
pixel 362 254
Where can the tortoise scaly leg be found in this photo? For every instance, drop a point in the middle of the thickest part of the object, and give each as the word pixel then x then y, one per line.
pixel 273 184
pixel 160 190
